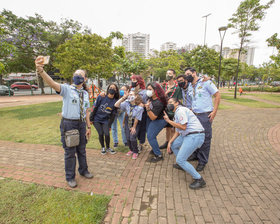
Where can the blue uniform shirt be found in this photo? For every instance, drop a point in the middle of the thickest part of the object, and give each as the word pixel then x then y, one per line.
pixel 71 101
pixel 137 111
pixel 201 95
pixel 105 109
pixel 184 115
pixel 143 94
pixel 187 98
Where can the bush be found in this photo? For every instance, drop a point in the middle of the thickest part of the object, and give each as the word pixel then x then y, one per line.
pixel 262 89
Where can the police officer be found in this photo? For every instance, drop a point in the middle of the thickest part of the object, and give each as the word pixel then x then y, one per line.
pixel 75 115
pixel 201 93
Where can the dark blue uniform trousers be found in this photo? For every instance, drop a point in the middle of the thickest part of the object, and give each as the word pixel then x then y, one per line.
pixel 203 152
pixel 131 139
pixel 69 153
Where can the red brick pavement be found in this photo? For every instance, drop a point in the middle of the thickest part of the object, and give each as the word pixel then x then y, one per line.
pixel 243 179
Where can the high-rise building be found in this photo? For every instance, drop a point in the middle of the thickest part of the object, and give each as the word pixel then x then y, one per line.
pixel 247 56
pixel 216 47
pixel 138 43
pixel 168 46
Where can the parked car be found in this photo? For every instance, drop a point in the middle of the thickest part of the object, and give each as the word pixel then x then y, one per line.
pixel 23 85
pixel 275 83
pixel 4 90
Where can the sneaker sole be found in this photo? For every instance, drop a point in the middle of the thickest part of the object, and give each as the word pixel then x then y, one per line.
pixel 113 153
pixel 197 188
pixel 103 153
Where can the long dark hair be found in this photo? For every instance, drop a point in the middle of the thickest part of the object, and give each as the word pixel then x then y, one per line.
pixel 159 92
pixel 117 93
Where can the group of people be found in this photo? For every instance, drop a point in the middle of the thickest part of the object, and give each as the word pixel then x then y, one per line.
pixel 183 105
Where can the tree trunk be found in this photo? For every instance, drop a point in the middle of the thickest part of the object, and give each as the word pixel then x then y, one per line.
pixel 42 85
pixel 1 80
pixel 237 69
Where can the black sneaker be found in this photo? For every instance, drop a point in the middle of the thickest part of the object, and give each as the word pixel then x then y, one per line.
pixel 152 152
pixel 164 146
pixel 192 158
pixel 112 151
pixel 200 167
pixel 197 184
pixel 156 158
pixel 116 145
pixel 176 166
pixel 72 183
pixel 87 175
pixel 103 151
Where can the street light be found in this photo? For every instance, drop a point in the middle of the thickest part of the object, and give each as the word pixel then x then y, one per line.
pixel 222 32
pixel 205 26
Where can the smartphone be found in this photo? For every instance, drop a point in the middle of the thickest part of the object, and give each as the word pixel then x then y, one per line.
pixel 46 60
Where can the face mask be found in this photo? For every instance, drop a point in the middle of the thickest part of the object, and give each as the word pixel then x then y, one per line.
pixel 112 91
pixel 169 77
pixel 181 84
pixel 78 79
pixel 133 84
pixel 131 98
pixel 121 92
pixel 170 107
pixel 189 78
pixel 149 93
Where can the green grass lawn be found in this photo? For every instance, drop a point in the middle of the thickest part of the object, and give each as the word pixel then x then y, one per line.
pixel 247 102
pixel 39 124
pixel 269 96
pixel 31 203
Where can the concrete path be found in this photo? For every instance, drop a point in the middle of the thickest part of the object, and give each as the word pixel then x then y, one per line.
pixel 243 178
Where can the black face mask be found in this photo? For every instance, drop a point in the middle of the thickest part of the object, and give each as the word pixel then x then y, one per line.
pixel 169 77
pixel 170 107
pixel 133 84
pixel 112 91
pixel 182 84
pixel 189 78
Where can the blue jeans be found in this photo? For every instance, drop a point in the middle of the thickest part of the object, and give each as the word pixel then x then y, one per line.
pixel 153 129
pixel 183 147
pixel 115 128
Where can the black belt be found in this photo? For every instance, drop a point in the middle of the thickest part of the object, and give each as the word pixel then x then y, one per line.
pixel 66 119
pixel 195 132
pixel 202 113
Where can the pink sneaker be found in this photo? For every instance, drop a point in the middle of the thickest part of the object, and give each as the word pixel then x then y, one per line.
pixel 129 153
pixel 135 155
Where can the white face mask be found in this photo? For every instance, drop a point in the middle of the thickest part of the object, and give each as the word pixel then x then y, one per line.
pixel 131 98
pixel 149 93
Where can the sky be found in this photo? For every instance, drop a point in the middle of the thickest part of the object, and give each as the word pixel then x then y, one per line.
pixel 178 21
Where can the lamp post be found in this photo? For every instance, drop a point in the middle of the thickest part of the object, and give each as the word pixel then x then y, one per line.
pixel 205 26
pixel 222 32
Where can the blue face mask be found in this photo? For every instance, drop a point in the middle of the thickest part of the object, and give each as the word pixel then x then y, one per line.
pixel 121 92
pixel 78 79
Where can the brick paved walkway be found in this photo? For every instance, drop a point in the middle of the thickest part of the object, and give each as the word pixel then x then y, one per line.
pixel 243 178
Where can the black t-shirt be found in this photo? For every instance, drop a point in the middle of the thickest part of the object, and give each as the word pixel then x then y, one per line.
pixel 157 108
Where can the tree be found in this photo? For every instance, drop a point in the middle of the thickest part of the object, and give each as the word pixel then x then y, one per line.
pixel 162 61
pixel 245 21
pixel 33 36
pixel 6 48
pixel 85 51
pixel 273 41
pixel 205 60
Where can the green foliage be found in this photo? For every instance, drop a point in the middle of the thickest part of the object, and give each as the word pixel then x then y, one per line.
pixel 245 21
pixel 162 61
pixel 31 203
pixel 273 41
pixel 89 51
pixel 261 89
pixel 205 60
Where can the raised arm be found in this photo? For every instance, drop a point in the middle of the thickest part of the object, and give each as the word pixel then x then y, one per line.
pixel 40 70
